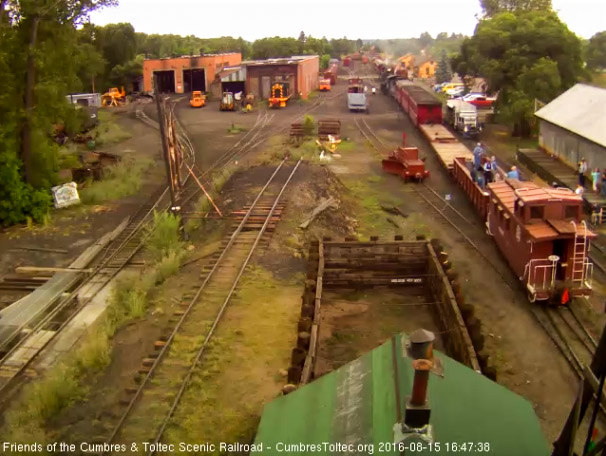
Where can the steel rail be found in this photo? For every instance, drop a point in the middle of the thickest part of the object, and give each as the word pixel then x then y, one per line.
pixel 202 349
pixel 186 313
pixel 47 319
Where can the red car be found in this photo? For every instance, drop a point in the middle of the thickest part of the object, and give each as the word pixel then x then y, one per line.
pixel 479 100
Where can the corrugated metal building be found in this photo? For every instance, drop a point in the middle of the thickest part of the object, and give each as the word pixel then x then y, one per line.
pixel 364 403
pixel 573 126
pixel 299 72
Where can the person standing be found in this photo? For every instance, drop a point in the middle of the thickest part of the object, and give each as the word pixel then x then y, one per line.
pixel 595 180
pixel 513 173
pixel 487 171
pixel 478 151
pixel 582 170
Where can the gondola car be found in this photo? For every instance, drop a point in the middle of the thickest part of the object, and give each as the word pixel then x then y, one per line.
pixel 539 230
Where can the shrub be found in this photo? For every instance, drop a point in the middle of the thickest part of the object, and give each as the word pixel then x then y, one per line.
pixel 120 180
pixel 163 237
pixel 309 125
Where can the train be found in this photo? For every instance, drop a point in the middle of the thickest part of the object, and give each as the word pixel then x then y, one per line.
pixel 539 230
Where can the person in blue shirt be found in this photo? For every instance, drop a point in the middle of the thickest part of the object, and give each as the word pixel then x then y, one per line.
pixel 513 173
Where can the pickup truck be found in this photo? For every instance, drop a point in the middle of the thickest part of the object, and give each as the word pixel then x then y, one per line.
pixel 463 117
pixel 356 96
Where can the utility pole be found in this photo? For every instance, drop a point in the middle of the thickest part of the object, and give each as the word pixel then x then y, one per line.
pixel 174 208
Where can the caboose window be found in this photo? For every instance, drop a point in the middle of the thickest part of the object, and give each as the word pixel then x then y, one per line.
pixel 571 212
pixel 537 212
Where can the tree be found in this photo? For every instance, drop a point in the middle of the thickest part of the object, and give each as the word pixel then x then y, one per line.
pixel 443 73
pixel 596 51
pixel 324 60
pixel 301 41
pixel 523 56
pixel 425 39
pixel 359 44
pixel 494 7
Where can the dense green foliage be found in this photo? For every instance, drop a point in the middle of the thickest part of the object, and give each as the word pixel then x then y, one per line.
pixel 523 56
pixel 494 7
pixel 37 69
pixel 596 51
pixel 432 46
pixel 443 73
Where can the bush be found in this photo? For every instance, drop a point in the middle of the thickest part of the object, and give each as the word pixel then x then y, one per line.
pixel 309 125
pixel 168 266
pixel 18 200
pixel 120 180
pixel 163 237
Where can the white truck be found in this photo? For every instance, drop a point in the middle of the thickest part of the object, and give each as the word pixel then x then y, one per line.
pixel 356 96
pixel 463 117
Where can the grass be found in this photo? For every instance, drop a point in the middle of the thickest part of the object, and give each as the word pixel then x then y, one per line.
pixel 164 237
pixel 235 129
pixel 67 382
pixel 108 131
pixel 203 204
pixel 122 179
pixel 240 370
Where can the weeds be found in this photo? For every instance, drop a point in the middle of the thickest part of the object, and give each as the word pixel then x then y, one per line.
pixel 163 237
pixel 203 205
pixel 43 400
pixel 109 132
pixel 122 179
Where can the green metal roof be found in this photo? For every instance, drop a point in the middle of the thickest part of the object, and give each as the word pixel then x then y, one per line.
pixel 356 405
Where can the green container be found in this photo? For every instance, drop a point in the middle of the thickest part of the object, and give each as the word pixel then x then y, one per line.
pixel 91 144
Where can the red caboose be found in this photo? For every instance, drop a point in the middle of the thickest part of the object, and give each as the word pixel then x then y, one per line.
pixel 405 162
pixel 540 232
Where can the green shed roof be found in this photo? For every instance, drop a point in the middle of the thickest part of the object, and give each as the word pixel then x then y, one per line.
pixel 356 405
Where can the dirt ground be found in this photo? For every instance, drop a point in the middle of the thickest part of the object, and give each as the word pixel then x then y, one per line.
pixel 254 340
pixel 75 228
pixel 353 323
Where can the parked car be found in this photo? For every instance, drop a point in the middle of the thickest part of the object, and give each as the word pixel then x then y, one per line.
pixel 479 100
pixel 456 92
pixel 451 85
pixel 438 87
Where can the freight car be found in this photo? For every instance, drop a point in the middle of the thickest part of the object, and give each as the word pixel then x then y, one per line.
pixel 539 230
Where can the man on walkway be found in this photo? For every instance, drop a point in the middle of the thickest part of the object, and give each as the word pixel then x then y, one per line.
pixel 513 173
pixel 582 170
pixel 478 151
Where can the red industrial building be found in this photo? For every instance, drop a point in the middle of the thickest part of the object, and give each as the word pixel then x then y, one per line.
pixel 300 73
pixel 188 73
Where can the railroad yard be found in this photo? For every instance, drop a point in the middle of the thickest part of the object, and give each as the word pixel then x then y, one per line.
pixel 223 335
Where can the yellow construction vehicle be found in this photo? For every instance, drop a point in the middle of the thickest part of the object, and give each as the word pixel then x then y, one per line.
pixel 113 97
pixel 279 95
pixel 324 85
pixel 249 101
pixel 198 100
pixel 227 102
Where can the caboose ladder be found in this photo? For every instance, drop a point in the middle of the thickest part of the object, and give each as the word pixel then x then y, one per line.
pixel 579 254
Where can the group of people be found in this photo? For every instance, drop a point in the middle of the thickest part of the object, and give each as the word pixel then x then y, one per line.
pixel 484 167
pixel 598 178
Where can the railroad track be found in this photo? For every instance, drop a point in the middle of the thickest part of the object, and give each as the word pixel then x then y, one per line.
pixel 253 138
pixel 50 320
pixel 371 137
pixel 562 324
pixel 168 375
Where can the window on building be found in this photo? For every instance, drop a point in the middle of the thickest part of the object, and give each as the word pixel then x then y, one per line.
pixel 537 212
pixel 571 212
pixel 427 71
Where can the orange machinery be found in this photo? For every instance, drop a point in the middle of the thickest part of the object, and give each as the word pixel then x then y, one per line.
pixel 113 97
pixel 279 95
pixel 197 99
pixel 324 85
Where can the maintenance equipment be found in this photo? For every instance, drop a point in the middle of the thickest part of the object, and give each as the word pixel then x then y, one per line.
pixel 279 95
pixel 113 97
pixel 227 102
pixel 198 100
pixel 405 162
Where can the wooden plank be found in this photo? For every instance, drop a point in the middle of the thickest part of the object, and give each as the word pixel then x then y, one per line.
pixel 36 270
pixel 307 368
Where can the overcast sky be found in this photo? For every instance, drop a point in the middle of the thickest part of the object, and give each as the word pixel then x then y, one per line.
pixel 331 18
